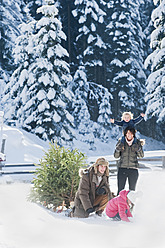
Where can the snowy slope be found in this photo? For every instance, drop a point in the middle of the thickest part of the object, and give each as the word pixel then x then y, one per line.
pixel 23 147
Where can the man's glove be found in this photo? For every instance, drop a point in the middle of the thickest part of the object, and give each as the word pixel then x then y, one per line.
pixel 100 191
pixel 90 210
pixel 135 147
pixel 120 147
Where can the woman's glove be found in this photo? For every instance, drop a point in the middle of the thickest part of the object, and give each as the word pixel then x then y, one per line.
pixel 100 191
pixel 120 147
pixel 90 210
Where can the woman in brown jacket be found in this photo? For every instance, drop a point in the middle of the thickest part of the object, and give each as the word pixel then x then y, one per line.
pixel 128 153
pixel 94 192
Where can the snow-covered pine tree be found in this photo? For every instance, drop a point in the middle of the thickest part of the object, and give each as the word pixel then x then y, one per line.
pixel 11 15
pixel 84 93
pixel 125 71
pixel 146 23
pixel 155 95
pixel 69 24
pixel 91 53
pixel 86 128
pixel 89 43
pixel 23 57
pixel 80 87
pixel 104 116
pixel 33 5
pixel 65 16
pixel 42 89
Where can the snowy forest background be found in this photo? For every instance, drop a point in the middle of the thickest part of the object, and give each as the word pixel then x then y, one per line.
pixel 68 66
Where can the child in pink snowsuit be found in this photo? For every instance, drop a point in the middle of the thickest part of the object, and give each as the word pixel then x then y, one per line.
pixel 118 208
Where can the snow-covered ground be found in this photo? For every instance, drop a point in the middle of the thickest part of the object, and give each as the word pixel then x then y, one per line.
pixel 26 225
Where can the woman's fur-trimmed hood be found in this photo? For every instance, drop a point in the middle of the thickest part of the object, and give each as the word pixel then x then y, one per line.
pixel 83 171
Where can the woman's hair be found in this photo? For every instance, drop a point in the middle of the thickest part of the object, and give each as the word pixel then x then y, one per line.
pixel 131 129
pixel 127 113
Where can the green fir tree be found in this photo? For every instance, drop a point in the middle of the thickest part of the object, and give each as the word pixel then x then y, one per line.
pixel 57 176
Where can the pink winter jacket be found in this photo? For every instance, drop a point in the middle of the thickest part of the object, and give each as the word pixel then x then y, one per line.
pixel 119 205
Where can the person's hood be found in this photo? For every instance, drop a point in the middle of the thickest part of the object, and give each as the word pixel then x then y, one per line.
pixel 83 171
pixel 123 193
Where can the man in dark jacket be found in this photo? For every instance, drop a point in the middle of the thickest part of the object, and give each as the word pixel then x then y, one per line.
pixel 128 162
pixel 94 192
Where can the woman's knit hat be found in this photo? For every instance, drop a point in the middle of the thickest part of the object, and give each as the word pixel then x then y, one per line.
pixel 101 161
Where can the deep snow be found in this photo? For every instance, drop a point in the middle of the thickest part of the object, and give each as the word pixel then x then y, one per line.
pixel 26 225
